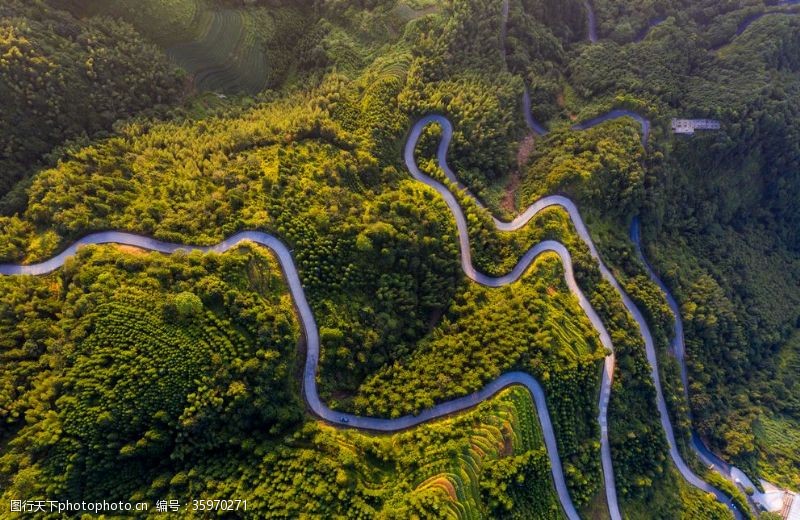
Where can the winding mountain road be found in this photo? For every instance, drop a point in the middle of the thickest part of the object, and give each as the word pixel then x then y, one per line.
pixel 312 334
pixel 616 114
pixel 750 20
pixel 508 379
pixel 678 348
pixel 387 425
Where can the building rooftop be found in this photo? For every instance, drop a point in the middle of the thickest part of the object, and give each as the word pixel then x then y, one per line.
pixel 688 126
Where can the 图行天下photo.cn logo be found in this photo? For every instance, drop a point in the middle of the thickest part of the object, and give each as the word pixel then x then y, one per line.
pixel 160 506
pixel 58 506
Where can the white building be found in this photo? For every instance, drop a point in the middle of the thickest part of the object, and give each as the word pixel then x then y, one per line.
pixel 688 126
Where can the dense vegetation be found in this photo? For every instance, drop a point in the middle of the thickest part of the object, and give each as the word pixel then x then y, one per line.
pixel 222 48
pixel 487 463
pixel 182 369
pixel 142 362
pixel 724 205
pixel 62 78
pixel 534 325
pixel 731 253
pixel 114 372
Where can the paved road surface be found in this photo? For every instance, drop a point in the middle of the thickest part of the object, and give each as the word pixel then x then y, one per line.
pixel 583 233
pixel 615 114
pixel 679 351
pixel 591 21
pixel 312 334
pixel 456 405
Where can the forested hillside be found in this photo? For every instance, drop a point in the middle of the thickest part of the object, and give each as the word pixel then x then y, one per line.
pixel 724 204
pixel 128 375
pixel 728 243
pixel 62 78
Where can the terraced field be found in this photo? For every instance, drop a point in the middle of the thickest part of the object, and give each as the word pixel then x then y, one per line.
pixel 166 22
pixel 474 464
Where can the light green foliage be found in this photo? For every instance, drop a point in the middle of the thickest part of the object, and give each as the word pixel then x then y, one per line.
pixel 723 204
pixel 449 467
pixel 187 305
pixel 638 444
pixel 778 438
pixel 107 394
pixel 545 332
pixel 459 70
pixel 318 163
pixel 601 168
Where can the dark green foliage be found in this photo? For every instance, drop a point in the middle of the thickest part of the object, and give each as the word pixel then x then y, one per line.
pixel 637 439
pixel 545 332
pixel 537 54
pixel 223 48
pixel 320 168
pixel 728 241
pixel 512 482
pixel 565 18
pixel 723 204
pixel 371 260
pixel 459 70
pixel 433 471
pixel 62 78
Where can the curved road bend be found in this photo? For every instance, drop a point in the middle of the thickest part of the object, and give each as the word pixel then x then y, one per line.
pixel 583 233
pixel 311 331
pixel 705 455
pixel 537 128
pixel 520 221
pixel 678 350
pixel 752 19
pixel 678 345
pixel 312 334
pixel 747 22
pixel 533 126
pixel 615 114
